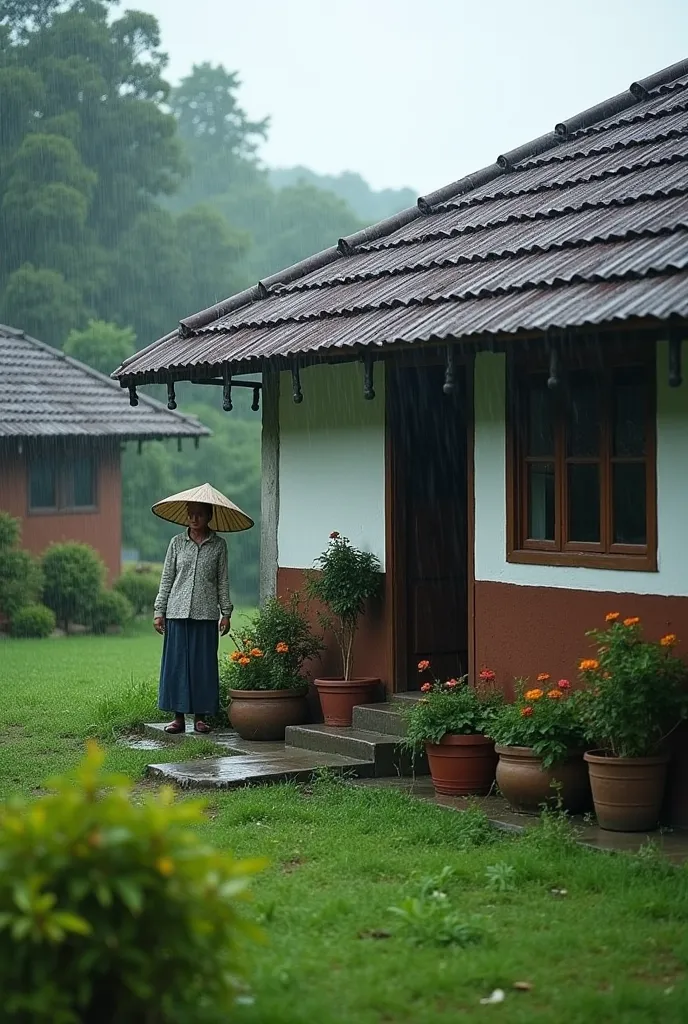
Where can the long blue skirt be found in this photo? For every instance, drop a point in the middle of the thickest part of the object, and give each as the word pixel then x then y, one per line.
pixel 189 678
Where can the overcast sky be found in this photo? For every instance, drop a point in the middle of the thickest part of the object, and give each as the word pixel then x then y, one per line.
pixel 418 92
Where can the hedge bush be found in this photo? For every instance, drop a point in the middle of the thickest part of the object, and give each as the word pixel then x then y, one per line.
pixel 140 587
pixel 21 579
pixel 109 609
pixel 33 620
pixel 115 911
pixel 74 575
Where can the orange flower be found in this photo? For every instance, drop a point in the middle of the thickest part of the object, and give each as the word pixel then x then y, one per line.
pixel 544 677
pixel 533 694
pixel 423 665
pixel 564 684
pixel 632 622
pixel 612 616
pixel 526 712
pixel 669 640
pixel 555 694
pixel 282 648
pixel 589 665
pixel 243 660
pixel 235 655
pixel 256 652
pixel 426 687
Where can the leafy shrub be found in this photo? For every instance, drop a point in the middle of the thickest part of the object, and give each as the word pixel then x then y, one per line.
pixel 33 620
pixel 126 710
pixel 109 609
pixel 74 575
pixel 113 910
pixel 271 651
pixel 140 587
pixel 450 707
pixel 21 579
pixel 544 717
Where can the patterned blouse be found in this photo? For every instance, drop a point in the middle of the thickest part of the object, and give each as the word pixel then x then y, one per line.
pixel 195 580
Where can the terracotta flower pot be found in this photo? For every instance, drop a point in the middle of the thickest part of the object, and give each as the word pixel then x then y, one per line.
pixel 527 785
pixel 339 697
pixel 462 765
pixel 627 791
pixel 265 714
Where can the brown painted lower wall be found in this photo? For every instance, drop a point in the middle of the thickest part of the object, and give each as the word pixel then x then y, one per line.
pixel 520 631
pixel 101 529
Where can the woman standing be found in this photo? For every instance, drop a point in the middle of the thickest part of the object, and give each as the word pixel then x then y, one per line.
pixel 193 606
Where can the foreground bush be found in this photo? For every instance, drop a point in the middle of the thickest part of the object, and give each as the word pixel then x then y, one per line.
pixel 109 609
pixel 112 911
pixel 74 575
pixel 34 620
pixel 140 587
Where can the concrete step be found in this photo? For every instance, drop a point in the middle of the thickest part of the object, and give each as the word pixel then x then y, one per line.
pixel 289 764
pixel 404 698
pixel 379 748
pixel 384 718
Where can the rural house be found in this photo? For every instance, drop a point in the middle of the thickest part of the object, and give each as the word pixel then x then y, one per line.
pixel 486 391
pixel 62 426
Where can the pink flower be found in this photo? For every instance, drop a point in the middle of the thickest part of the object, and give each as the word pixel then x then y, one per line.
pixel 564 684
pixel 423 665
pixel 426 687
pixel 451 683
pixel 486 675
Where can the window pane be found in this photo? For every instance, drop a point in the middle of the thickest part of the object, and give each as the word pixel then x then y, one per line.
pixel 583 420
pixel 630 517
pixel 584 503
pixel 541 501
pixel 630 413
pixel 82 489
pixel 540 425
pixel 42 489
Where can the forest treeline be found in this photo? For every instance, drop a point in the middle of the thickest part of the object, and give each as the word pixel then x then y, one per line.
pixel 126 204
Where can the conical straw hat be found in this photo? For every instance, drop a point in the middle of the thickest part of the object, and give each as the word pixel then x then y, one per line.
pixel 227 517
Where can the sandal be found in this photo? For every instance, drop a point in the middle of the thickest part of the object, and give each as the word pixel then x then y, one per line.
pixel 176 726
pixel 201 726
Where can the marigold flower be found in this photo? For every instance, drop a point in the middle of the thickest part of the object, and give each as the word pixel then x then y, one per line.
pixel 451 683
pixel 423 665
pixel 544 677
pixel 426 687
pixel 564 684
pixel 632 622
pixel 334 535
pixel 256 652
pixel 486 675
pixel 165 866
pixel 282 648
pixel 555 694
pixel 589 665
pixel 526 712
pixel 612 616
pixel 669 640
pixel 243 660
pixel 534 694
pixel 235 655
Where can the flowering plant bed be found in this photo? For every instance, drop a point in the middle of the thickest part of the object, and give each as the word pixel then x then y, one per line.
pixel 452 707
pixel 543 718
pixel 635 689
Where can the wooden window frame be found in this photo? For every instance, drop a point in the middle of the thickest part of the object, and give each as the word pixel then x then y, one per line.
pixel 605 554
pixel 61 462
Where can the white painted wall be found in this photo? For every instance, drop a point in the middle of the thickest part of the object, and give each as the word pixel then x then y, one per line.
pixel 490 495
pixel 331 464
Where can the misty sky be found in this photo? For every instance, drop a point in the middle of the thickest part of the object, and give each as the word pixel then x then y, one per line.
pixel 418 92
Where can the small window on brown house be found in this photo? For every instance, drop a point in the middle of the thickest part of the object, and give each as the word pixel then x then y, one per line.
pixel 62 484
pixel 581 466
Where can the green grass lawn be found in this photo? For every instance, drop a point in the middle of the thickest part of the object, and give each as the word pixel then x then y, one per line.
pixel 599 938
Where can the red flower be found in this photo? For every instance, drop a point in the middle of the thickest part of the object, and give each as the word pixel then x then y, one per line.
pixel 423 665
pixel 526 712
pixel 564 684
pixel 426 687
pixel 451 683
pixel 334 535
pixel 486 675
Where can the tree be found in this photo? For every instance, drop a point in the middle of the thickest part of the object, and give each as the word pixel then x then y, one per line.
pixel 101 345
pixel 42 303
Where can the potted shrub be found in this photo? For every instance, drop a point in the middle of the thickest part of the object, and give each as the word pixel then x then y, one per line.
pixel 449 722
pixel 264 674
pixel 540 742
pixel 634 698
pixel 346 579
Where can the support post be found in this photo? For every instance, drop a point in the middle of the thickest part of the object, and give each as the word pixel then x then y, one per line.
pixel 269 498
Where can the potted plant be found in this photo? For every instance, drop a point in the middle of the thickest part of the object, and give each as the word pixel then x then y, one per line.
pixel 345 580
pixel 449 722
pixel 264 673
pixel 635 697
pixel 540 742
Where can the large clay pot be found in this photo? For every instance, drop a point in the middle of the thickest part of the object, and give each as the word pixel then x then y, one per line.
pixel 339 697
pixel 627 791
pixel 265 714
pixel 462 765
pixel 527 785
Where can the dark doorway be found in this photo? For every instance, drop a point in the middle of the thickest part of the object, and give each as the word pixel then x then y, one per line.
pixel 429 522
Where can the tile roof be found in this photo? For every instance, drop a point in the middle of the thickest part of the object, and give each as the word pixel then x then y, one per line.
pixel 583 226
pixel 44 393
